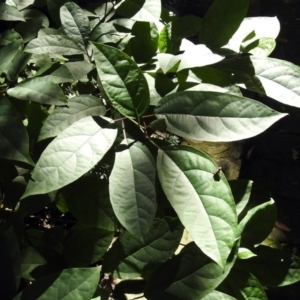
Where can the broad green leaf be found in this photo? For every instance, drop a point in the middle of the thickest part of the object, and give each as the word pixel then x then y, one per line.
pixel 132 187
pixel 29 30
pixel 9 36
pixel 75 23
pixel 257 224
pixel 88 201
pixel 10 263
pixel 168 62
pixel 17 65
pixel 68 72
pixel 14 142
pixel 203 203
pixel 74 152
pixel 245 253
pixel 216 295
pixel 39 262
pixel 188 275
pixel 167 43
pixel 242 285
pixel 84 246
pixel 62 117
pixel 10 13
pixel 140 10
pixel 241 191
pixel 122 80
pixel 215 117
pixel 198 56
pixel 39 90
pixel 272 267
pixel 145 37
pixel 130 258
pixel 7 54
pixel 262 47
pixel 154 95
pixel 278 79
pixel 52 44
pixel 221 21
pixel 68 284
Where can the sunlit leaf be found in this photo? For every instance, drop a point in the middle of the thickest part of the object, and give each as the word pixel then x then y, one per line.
pixel 129 257
pixel 78 108
pixel 203 203
pixel 215 117
pixel 10 13
pixel 38 90
pixel 14 142
pixel 132 187
pixel 122 80
pixel 74 152
pixel 217 295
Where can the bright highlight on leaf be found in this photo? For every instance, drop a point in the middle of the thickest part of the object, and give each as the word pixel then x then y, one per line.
pixel 74 152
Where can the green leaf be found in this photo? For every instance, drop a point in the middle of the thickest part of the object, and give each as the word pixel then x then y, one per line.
pixel 14 142
pixel 198 56
pixel 53 7
pixel 7 54
pixel 215 117
pixel 262 47
pixel 38 90
pixel 17 65
pixel 217 295
pixel 245 253
pixel 188 275
pixel 74 152
pixel 241 191
pixel 10 263
pixel 75 24
pixel 29 30
pixel 88 201
pixel 257 224
pixel 132 187
pixel 10 13
pixel 272 267
pixel 39 262
pixel 9 36
pixel 122 80
pixel 243 286
pixel 145 37
pixel 203 203
pixel 278 79
pixel 221 21
pixel 129 257
pixel 140 10
pixel 52 44
pixel 30 14
pixel 68 284
pixel 167 43
pixel 168 62
pixel 84 246
pixel 63 117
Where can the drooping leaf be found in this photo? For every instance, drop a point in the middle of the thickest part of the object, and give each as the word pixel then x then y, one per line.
pixel 53 44
pixel 68 284
pixel 75 23
pixel 63 117
pixel 198 56
pixel 278 79
pixel 132 187
pixel 215 117
pixel 272 267
pixel 88 200
pixel 203 203
pixel 74 152
pixel 221 21
pixel 130 258
pixel 39 90
pixel 257 224
pixel 140 10
pixel 84 246
pixel 122 80
pixel 242 285
pixel 241 191
pixel 10 263
pixel 10 13
pixel 188 275
pixel 14 142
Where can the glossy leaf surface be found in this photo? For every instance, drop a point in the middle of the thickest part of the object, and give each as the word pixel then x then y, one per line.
pixel 74 152
pixel 215 117
pixel 199 199
pixel 132 187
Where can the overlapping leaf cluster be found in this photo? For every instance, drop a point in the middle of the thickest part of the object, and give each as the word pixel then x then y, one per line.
pixel 89 99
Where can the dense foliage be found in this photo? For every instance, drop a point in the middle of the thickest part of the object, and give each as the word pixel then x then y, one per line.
pixel 95 183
